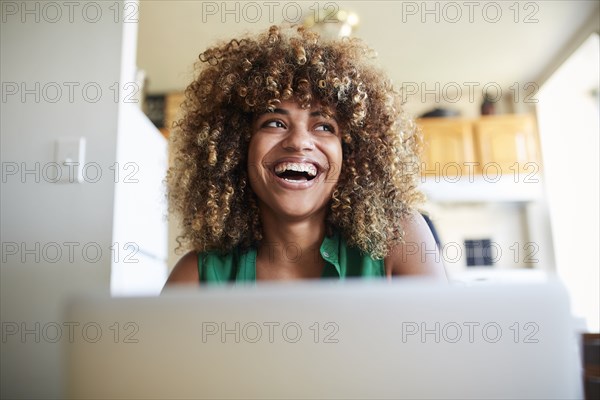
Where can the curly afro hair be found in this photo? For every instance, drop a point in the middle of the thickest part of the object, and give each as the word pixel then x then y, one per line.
pixel 208 185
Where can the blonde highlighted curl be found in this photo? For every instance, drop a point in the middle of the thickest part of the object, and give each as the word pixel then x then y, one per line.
pixel 208 184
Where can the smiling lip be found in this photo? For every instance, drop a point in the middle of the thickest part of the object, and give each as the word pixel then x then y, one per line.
pixel 300 184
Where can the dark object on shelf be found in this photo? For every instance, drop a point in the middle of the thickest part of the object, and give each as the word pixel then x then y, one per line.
pixel 440 112
pixel 591 365
pixel 479 252
pixel 488 107
pixel 154 107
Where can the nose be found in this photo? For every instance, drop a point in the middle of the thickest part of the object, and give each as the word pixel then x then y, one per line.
pixel 299 138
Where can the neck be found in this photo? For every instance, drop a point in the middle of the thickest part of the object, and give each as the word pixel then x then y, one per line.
pixel 292 247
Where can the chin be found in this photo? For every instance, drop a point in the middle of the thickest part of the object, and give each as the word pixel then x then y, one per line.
pixel 297 209
pixel 300 212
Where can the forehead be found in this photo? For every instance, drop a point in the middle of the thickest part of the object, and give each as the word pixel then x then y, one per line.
pixel 292 107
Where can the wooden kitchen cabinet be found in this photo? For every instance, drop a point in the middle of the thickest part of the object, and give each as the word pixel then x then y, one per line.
pixel 508 140
pixel 447 142
pixel 505 144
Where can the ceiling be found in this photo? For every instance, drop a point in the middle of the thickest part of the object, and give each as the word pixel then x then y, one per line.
pixel 474 45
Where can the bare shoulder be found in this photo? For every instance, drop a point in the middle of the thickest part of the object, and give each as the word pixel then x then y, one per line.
pixel 419 254
pixel 185 271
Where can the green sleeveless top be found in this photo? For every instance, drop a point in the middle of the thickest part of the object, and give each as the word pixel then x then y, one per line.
pixel 341 261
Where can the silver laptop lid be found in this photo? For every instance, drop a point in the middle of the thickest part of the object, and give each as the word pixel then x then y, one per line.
pixel 358 339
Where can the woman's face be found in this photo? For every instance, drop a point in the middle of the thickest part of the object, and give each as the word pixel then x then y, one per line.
pixel 294 160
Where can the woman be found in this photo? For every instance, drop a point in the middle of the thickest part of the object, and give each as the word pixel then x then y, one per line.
pixel 294 160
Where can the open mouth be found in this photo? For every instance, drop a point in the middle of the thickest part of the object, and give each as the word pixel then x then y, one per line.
pixel 296 171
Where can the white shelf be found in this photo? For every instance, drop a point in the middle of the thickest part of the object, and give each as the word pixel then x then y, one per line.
pixel 508 188
pixel 477 275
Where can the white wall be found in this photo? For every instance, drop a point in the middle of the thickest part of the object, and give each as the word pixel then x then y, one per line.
pixel 568 118
pixel 45 225
pixel 35 210
pixel 140 228
pixel 501 222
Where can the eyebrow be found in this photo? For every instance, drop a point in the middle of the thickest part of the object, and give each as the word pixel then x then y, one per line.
pixel 317 113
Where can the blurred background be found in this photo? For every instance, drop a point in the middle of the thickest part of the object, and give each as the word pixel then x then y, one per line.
pixel 506 94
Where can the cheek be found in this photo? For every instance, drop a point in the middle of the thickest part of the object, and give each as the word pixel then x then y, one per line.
pixel 258 149
pixel 251 153
pixel 335 156
pixel 255 151
pixel 333 152
pixel 253 162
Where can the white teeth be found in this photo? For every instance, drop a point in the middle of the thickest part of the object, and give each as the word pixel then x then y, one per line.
pixel 310 169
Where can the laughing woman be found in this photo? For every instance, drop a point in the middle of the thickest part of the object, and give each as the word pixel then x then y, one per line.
pixel 294 160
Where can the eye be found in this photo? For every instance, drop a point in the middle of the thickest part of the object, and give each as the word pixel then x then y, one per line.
pixel 273 123
pixel 325 127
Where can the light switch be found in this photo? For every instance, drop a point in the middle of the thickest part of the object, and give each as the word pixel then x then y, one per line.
pixel 70 155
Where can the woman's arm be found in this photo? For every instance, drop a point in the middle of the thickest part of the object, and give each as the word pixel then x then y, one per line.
pixel 419 254
pixel 185 271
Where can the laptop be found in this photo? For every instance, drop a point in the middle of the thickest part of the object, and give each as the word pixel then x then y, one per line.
pixel 350 340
